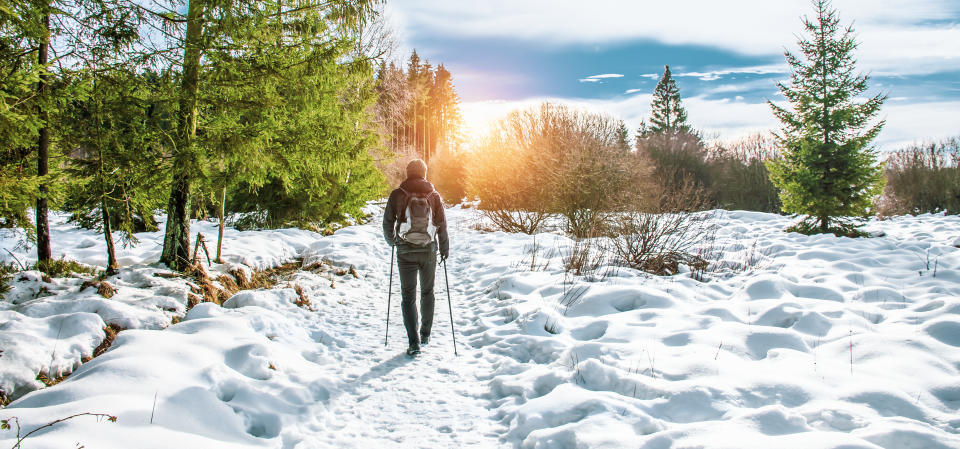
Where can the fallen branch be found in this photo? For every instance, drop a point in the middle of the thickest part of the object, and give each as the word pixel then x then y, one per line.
pixel 5 425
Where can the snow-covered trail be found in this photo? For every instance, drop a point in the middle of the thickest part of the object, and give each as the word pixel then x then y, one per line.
pixel 270 374
pixel 384 397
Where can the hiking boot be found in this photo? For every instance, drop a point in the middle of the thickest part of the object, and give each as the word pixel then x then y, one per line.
pixel 424 339
pixel 413 350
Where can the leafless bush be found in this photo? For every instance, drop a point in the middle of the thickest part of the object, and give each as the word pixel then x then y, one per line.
pixel 923 178
pixel 678 158
pixel 395 167
pixel 498 173
pixel 584 256
pixel 527 222
pixel 664 234
pixel 552 159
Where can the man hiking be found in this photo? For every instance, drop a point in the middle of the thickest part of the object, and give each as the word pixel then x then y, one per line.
pixel 414 222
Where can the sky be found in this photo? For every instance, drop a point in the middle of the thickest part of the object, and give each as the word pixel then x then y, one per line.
pixel 726 56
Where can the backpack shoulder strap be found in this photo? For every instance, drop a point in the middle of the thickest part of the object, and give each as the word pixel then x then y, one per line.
pixel 401 211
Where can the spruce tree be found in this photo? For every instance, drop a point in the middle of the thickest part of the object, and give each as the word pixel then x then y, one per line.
pixel 311 139
pixel 116 169
pixel 623 137
pixel 225 30
pixel 829 170
pixel 35 84
pixel 21 28
pixel 667 113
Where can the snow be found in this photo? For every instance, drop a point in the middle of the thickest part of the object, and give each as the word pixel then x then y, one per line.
pixel 795 342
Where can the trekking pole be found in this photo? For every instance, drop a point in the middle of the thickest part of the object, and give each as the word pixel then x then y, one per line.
pixel 453 332
pixel 389 293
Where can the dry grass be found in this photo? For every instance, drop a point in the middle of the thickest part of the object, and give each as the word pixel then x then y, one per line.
pixel 103 288
pixel 302 301
pixel 110 334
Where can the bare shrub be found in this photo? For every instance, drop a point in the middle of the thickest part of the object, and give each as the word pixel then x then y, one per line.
pixel 663 233
pixel 527 222
pixel 592 171
pixel 395 168
pixel 501 173
pixel 584 257
pixel 923 178
pixel 552 159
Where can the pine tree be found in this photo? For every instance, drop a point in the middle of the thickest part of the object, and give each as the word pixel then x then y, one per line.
pixel 829 169
pixel 667 113
pixel 448 107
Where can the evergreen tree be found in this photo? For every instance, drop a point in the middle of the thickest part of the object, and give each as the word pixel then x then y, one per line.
pixel 34 85
pixel 312 162
pixel 116 161
pixel 447 104
pixel 216 32
pixel 829 170
pixel 667 114
pixel 623 137
pixel 21 28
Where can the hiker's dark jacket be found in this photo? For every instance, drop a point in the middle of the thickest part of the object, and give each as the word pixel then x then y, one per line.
pixel 397 205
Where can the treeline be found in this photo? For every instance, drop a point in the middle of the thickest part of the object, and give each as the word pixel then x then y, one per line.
pixel 923 178
pixel 418 108
pixel 116 110
pixel 418 111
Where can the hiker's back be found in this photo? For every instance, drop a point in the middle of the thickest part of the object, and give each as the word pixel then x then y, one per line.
pixel 417 226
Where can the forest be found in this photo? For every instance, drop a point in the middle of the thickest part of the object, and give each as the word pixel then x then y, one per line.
pixel 272 114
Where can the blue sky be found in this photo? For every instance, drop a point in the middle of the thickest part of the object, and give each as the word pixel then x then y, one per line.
pixel 727 57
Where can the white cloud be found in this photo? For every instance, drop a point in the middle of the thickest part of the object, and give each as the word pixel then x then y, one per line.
pixel 897 36
pixel 606 75
pixel 716 74
pixel 598 78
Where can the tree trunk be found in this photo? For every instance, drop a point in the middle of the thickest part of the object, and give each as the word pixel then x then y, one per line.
pixel 43 148
pixel 108 236
pixel 105 215
pixel 176 241
pixel 223 212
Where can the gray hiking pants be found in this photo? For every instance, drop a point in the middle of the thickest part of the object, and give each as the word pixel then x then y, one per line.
pixel 411 265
